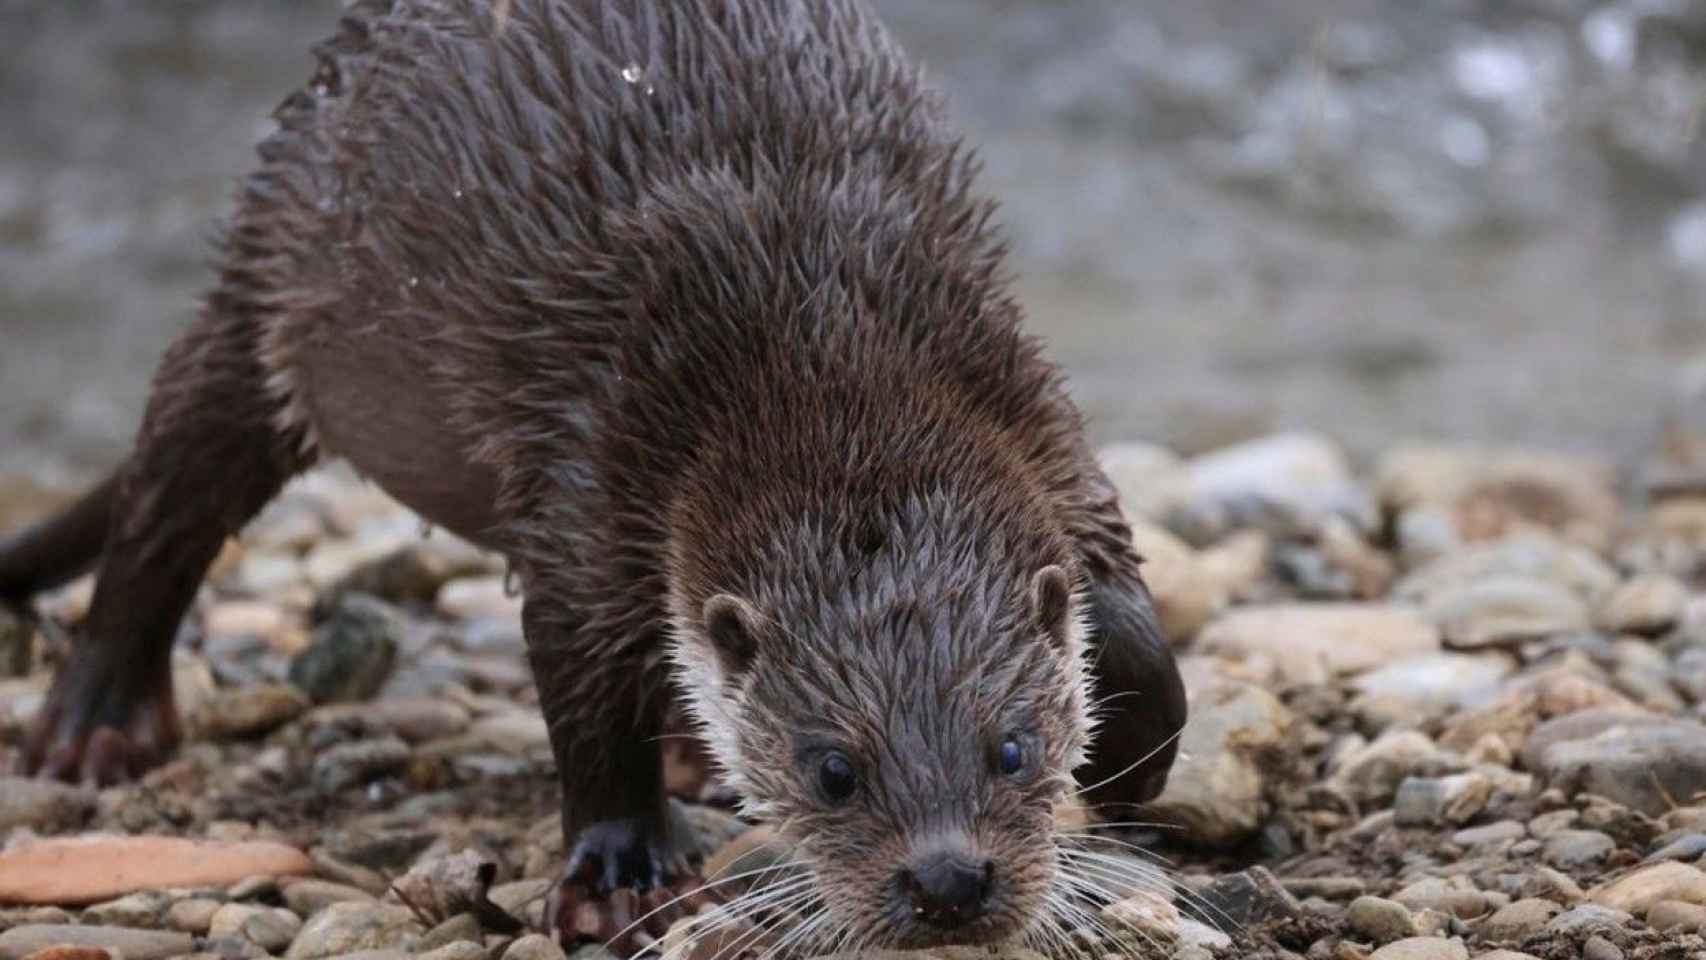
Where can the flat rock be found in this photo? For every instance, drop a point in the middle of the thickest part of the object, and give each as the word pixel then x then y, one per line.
pixel 1637 892
pixel 1515 921
pixel 88 869
pixel 1310 644
pixel 19 942
pixel 308 897
pixel 1506 610
pixel 1526 556
pixel 1373 773
pixel 1284 483
pixel 251 711
pixel 1238 737
pixel 1643 767
pixel 1442 680
pixel 1647 605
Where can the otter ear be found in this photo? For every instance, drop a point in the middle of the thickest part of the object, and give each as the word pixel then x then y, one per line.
pixel 1051 601
pixel 732 626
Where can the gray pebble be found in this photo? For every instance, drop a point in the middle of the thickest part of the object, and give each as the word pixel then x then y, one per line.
pixel 1381 921
pixel 463 926
pixel 1430 801
pixel 351 764
pixel 194 915
pixel 42 805
pixel 308 897
pixel 1599 948
pixel 1515 922
pixel 352 652
pixel 270 928
pixel 455 950
pixel 1572 849
pixel 349 927
pixel 1585 919
pixel 142 909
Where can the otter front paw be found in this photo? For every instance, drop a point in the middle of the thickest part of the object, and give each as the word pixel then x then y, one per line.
pixel 624 884
pixel 101 726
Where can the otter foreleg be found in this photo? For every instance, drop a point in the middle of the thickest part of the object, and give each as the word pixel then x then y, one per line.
pixel 629 860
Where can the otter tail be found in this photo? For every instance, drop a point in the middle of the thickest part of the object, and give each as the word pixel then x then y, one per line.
pixel 55 550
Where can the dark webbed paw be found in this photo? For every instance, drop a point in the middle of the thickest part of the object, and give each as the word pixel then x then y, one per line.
pixel 102 726
pixel 625 883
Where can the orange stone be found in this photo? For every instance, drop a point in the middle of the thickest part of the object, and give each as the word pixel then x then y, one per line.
pixel 70 871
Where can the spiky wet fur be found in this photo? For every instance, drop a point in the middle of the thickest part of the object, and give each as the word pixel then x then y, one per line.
pixel 663 300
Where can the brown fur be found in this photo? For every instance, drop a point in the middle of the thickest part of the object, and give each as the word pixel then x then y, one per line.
pixel 665 301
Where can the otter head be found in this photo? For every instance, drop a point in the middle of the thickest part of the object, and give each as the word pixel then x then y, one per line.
pixel 911 732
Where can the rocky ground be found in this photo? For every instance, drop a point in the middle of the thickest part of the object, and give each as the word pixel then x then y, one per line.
pixel 1448 705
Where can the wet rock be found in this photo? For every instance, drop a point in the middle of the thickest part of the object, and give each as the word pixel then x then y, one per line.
pixel 1519 920
pixel 1239 737
pixel 249 711
pixel 351 654
pixel 1640 890
pixel 87 869
pixel 268 928
pixel 42 805
pixel 534 947
pixel 1640 766
pixel 20 942
pixel 1373 773
pixel 308 897
pixel 1646 606
pixel 349 764
pixel 1243 898
pixel 1283 483
pixel 1311 644
pixel 348 927
pixel 1422 948
pixel 1430 801
pixel 1378 920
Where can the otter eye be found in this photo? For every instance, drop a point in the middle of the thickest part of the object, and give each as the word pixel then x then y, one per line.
pixel 835 778
pixel 1011 757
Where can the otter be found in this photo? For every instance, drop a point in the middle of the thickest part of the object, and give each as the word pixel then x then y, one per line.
pixel 693 311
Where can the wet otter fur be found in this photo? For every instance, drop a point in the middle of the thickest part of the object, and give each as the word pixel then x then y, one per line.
pixel 691 309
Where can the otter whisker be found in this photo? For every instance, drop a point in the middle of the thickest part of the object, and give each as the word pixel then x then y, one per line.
pixel 1140 761
pixel 796 893
pixel 709 884
pixel 1136 849
pixel 1142 875
pixel 1099 920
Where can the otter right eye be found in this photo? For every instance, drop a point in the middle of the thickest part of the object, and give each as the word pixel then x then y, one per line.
pixel 835 778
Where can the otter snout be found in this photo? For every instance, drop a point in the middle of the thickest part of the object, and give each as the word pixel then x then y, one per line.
pixel 948 889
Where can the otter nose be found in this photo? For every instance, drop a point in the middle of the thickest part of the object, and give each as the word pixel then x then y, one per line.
pixel 949 889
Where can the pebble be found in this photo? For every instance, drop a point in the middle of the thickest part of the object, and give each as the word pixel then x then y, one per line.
pixel 1641 765
pixel 348 927
pixel 1504 611
pixel 1373 773
pixel 468 598
pixel 1586 919
pixel 1638 891
pixel 1217 792
pixel 415 719
pixel 20 942
pixel 1646 606
pixel 141 909
pixel 250 711
pixel 1677 917
pixel 1443 680
pixel 1525 556
pixel 1516 921
pixel 351 654
pixel 535 946
pixel 350 764
pixel 1689 846
pixel 194 915
pixel 1599 948
pixel 1283 483
pixel 1490 834
pixel 42 805
pixel 1429 801
pixel 1456 896
pixel 269 928
pixel 456 950
pixel 1422 948
pixel 1310 644
pixel 461 927
pixel 1186 594
pixel 88 869
pixel 1575 849
pixel 308 897
pixel 1381 921
pixel 1246 897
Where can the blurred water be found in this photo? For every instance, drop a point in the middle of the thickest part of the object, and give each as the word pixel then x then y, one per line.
pixel 1469 219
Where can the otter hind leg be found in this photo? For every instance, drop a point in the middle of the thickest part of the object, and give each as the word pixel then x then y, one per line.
pixel 209 454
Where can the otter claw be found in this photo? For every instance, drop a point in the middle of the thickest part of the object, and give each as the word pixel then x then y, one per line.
pixel 621 886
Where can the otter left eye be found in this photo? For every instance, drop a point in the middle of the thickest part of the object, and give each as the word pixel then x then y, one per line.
pixel 1011 757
